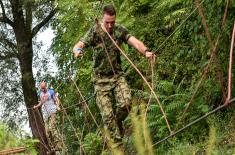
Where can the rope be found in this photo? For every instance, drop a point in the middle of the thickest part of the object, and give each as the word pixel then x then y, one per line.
pixel 62 130
pixel 226 103
pixel 230 65
pixel 111 64
pixel 213 49
pixel 178 27
pixel 41 120
pixel 40 136
pixel 52 143
pixel 151 88
pixel 85 102
pixel 194 122
pixel 87 99
pixel 160 47
pixel 87 107
pixel 74 130
pixel 208 35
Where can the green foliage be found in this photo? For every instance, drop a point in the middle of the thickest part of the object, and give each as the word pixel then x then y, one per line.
pixel 211 141
pixel 184 149
pixel 93 144
pixel 8 140
pixel 181 60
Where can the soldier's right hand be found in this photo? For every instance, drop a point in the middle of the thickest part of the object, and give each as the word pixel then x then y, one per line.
pixel 78 49
pixel 77 54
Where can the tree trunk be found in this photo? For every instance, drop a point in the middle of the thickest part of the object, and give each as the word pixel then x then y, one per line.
pixel 23 37
pixel 30 95
pixel 21 23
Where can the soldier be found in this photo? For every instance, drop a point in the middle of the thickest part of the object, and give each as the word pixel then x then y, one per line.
pixel 108 76
pixel 50 104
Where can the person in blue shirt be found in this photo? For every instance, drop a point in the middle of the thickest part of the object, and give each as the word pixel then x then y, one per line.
pixel 49 103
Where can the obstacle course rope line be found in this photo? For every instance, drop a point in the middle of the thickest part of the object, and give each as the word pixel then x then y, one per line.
pixel 213 50
pixel 194 122
pixel 226 103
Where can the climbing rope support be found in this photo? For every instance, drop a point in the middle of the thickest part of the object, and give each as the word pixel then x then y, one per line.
pixel 194 122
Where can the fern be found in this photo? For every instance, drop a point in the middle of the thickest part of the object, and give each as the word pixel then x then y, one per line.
pixel 92 144
pixel 172 19
pixel 166 4
pixel 174 107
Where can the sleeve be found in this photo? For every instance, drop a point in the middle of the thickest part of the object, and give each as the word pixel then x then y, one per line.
pixel 52 93
pixel 125 35
pixel 87 39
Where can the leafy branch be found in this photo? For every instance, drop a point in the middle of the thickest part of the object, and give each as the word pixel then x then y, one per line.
pixel 4 18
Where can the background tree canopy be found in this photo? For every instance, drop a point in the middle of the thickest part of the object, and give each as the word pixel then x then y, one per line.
pixel 188 74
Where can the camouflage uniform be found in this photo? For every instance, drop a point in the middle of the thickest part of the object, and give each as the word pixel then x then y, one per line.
pixel 109 79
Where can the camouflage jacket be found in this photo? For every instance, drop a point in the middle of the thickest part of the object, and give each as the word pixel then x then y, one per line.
pixel 104 49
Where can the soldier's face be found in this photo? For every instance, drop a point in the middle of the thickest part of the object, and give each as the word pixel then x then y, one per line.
pixel 109 22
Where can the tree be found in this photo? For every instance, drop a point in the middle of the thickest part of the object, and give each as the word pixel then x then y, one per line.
pixel 20 21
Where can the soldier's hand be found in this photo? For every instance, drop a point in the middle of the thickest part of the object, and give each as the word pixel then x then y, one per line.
pixel 77 54
pixel 150 55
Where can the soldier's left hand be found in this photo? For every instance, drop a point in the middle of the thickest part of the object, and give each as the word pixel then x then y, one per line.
pixel 150 55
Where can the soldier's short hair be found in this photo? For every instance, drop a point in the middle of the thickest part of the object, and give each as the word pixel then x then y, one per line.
pixel 109 9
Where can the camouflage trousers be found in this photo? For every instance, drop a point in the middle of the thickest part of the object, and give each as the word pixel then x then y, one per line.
pixel 53 133
pixel 113 98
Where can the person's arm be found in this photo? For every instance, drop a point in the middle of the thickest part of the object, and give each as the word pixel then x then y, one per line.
pixel 77 49
pixel 85 41
pixel 38 105
pixel 139 45
pixel 41 102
